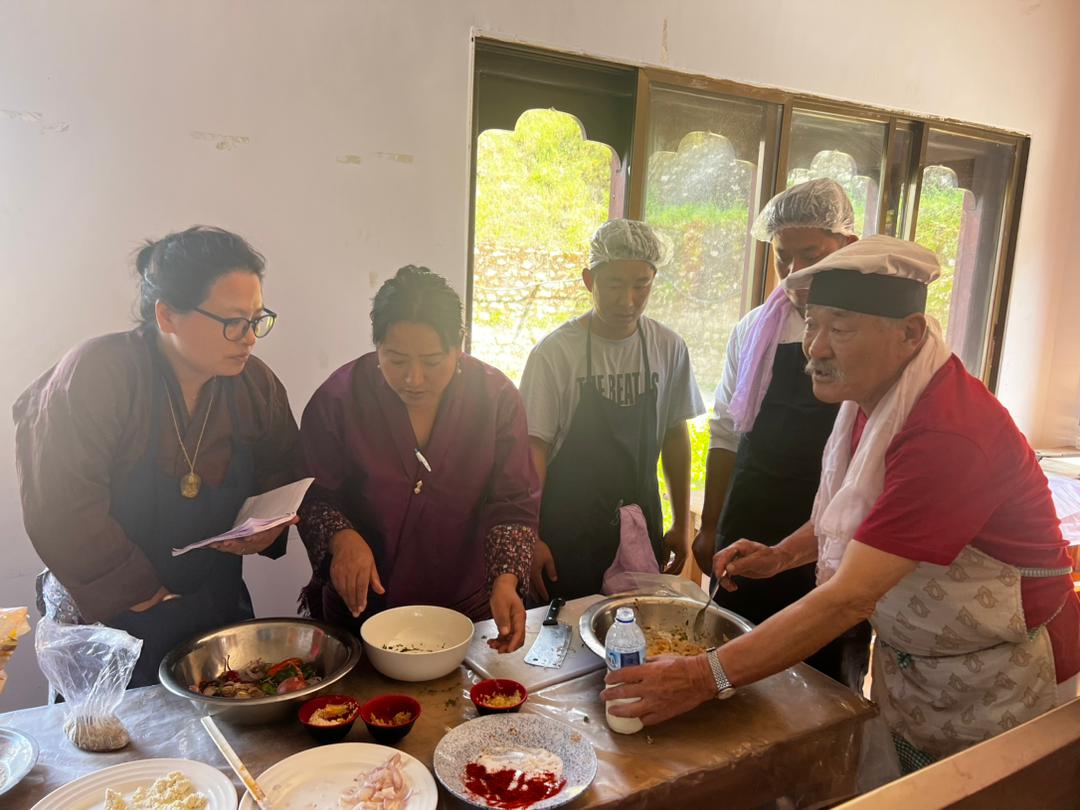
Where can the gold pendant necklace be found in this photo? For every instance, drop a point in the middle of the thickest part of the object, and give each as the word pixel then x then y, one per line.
pixel 191 483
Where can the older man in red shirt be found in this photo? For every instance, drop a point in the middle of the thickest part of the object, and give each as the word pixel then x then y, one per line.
pixel 932 519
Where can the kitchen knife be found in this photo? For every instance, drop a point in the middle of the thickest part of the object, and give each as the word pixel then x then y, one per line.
pixel 549 648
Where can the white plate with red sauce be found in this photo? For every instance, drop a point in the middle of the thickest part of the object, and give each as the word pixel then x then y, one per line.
pixel 459 756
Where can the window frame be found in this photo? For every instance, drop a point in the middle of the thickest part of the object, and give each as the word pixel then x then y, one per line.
pixel 779 133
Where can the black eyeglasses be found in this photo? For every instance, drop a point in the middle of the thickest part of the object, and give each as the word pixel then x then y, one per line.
pixel 236 329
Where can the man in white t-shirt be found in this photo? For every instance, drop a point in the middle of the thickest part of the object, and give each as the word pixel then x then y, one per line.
pixel 608 394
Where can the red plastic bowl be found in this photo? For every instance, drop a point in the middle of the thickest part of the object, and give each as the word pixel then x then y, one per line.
pixel 385 707
pixel 338 730
pixel 485 690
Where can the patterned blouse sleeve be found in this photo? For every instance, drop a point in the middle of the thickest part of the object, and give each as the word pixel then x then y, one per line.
pixel 319 521
pixel 509 550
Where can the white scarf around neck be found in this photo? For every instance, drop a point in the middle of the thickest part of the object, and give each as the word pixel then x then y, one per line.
pixel 850 486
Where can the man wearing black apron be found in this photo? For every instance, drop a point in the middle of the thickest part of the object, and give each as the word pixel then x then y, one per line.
pixel 608 395
pixel 768 430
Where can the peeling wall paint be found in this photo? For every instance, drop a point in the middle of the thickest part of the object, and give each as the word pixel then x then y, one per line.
pixel 222 142
pixel 400 157
pixel 30 117
pixel 22 115
pixel 664 43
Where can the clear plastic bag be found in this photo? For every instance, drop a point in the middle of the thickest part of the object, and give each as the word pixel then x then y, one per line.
pixel 90 665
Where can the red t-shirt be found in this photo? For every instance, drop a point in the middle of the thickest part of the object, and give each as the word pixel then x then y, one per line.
pixel 960 472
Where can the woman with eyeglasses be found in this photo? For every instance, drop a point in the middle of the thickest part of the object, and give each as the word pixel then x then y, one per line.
pixel 139 442
pixel 424 491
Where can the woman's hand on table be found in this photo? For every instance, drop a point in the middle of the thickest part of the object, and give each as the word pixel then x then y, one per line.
pixel 508 611
pixel 256 543
pixel 162 594
pixel 665 687
pixel 543 565
pixel 353 571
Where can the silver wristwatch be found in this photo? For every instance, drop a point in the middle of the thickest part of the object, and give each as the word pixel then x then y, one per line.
pixel 724 689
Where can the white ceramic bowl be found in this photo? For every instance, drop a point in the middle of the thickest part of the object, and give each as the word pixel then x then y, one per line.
pixel 417 642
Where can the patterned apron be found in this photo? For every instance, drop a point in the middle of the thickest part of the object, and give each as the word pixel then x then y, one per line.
pixel 954 662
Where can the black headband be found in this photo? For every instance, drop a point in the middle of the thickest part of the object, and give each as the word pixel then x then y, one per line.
pixel 870 293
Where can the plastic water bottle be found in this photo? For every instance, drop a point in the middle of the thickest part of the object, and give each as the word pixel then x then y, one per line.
pixel 624 646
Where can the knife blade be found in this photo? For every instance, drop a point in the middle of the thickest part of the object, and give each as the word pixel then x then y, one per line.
pixel 549 648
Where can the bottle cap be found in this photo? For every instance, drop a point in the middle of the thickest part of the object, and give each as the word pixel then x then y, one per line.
pixel 625 615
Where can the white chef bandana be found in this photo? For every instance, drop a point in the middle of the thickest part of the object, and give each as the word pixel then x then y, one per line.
pixel 879 275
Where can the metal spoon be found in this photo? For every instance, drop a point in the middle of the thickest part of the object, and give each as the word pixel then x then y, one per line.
pixel 699 619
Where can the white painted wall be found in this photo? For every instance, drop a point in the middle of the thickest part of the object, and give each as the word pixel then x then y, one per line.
pixel 122 91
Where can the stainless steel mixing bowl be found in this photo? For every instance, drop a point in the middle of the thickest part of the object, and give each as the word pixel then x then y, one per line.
pixel 670 613
pixel 335 653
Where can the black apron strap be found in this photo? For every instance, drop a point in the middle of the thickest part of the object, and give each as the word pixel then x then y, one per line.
pixel 777 470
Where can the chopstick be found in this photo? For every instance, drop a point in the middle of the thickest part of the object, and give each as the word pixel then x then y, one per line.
pixel 236 763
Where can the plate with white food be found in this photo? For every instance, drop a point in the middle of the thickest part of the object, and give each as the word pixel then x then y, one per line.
pixel 515 760
pixel 350 776
pixel 145 784
pixel 18 753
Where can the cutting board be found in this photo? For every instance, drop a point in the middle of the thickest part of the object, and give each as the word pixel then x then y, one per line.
pixel 580 660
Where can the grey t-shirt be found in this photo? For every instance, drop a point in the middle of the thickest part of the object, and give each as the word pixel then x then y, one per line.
pixel 556 369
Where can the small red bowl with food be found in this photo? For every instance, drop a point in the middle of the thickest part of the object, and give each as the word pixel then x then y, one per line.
pixel 498 696
pixel 329 718
pixel 390 717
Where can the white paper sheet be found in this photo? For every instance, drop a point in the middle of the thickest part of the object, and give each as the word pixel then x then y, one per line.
pixel 259 513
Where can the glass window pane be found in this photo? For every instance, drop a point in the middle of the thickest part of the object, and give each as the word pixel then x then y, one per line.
pixel 848 150
pixel 896 196
pixel 704 183
pixel 961 206
pixel 703 188
pixel 541 191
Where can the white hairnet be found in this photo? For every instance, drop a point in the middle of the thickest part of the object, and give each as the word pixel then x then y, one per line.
pixel 628 240
pixel 820 203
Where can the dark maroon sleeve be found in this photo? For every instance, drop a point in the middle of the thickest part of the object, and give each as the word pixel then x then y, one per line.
pixel 936 498
pixel 322 454
pixel 513 493
pixel 510 515
pixel 69 430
